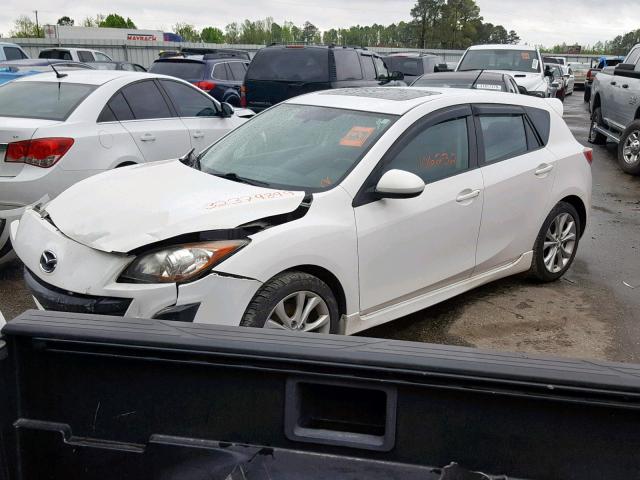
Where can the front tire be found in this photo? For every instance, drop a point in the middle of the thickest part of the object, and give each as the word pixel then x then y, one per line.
pixel 556 244
pixel 295 301
pixel 629 149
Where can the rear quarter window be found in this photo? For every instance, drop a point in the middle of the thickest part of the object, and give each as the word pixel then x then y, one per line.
pixel 347 65
pixel 290 64
pixel 44 100
pixel 541 121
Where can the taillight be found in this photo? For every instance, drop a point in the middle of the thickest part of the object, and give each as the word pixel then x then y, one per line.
pixel 588 154
pixel 205 85
pixel 41 152
pixel 589 74
pixel 243 96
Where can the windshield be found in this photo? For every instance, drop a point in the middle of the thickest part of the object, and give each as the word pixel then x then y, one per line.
pixel 499 59
pixel 185 70
pixel 45 100
pixel 290 64
pixel 297 147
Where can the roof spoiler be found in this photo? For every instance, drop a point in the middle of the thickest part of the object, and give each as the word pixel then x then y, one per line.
pixel 556 104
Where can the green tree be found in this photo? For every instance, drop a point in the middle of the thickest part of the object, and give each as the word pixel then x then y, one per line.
pixel 113 20
pixel 499 35
pixel 426 15
pixel 187 31
pixel 93 22
pixel 513 37
pixel 232 33
pixel 24 27
pixel 309 32
pixel 212 35
pixel 65 21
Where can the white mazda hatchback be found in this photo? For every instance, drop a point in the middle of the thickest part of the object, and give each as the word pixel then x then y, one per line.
pixel 332 212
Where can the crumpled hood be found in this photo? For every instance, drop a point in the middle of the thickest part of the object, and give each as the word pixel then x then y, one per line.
pixel 127 208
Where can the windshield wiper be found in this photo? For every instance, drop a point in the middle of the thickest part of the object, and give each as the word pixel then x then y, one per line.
pixel 234 177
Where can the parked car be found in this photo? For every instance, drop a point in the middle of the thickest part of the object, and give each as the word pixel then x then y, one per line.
pixel 615 108
pixel 11 70
pixel 280 72
pixel 597 66
pixel 84 55
pixel 219 77
pixel 57 131
pixel 569 79
pixel 580 73
pixel 473 79
pixel 523 62
pixel 558 84
pixel 11 51
pixel 413 65
pixel 130 67
pixel 314 215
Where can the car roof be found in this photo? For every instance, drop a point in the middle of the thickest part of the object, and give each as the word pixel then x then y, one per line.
pixel 498 46
pixel 39 62
pixel 9 44
pixel 71 49
pixel 467 74
pixel 88 77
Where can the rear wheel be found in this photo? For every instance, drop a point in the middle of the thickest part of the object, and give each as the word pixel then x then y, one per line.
pixel 557 243
pixel 629 149
pixel 595 137
pixel 294 301
pixel 587 93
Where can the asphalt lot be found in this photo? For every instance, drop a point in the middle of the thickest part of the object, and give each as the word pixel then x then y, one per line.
pixel 590 313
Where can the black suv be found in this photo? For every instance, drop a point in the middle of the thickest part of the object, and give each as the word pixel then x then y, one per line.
pixel 219 74
pixel 280 72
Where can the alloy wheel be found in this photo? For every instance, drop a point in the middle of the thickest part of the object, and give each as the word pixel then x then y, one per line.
pixel 559 243
pixel 301 311
pixel 631 149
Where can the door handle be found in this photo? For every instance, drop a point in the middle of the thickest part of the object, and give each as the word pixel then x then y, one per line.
pixel 543 169
pixel 613 83
pixel 198 134
pixel 467 194
pixel 147 137
pixel 625 86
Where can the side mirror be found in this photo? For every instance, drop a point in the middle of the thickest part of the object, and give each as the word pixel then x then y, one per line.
pixel 555 84
pixel 396 76
pixel 548 72
pixel 625 66
pixel 226 110
pixel 523 90
pixel 399 184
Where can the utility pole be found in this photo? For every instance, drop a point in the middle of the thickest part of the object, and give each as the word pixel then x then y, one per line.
pixel 37 26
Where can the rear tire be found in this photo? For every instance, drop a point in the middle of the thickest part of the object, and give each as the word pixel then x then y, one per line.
pixel 556 244
pixel 597 138
pixel 283 301
pixel 587 94
pixel 629 149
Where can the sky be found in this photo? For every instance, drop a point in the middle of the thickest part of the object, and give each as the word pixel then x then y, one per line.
pixel 538 22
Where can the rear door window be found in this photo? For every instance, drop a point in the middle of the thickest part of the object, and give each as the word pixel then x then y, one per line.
pixel 46 100
pixel 188 101
pixel 85 56
pixel 13 53
pixel 367 67
pixel 146 101
pixel 290 64
pixel 504 136
pixel 347 64
pixel 220 72
pixel 238 70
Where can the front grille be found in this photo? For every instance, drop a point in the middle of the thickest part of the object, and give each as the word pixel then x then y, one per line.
pixel 56 299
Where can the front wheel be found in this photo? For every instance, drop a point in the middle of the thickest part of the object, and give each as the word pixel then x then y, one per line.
pixel 295 301
pixel 556 244
pixel 629 149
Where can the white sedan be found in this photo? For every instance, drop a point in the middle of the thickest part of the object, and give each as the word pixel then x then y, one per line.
pixel 55 131
pixel 332 212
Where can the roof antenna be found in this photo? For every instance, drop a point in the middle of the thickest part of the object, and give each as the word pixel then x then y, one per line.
pixel 58 74
pixel 476 80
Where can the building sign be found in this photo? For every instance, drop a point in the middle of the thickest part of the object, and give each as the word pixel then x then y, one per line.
pixel 147 37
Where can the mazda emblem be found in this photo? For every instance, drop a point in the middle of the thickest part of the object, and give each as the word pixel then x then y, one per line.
pixel 48 261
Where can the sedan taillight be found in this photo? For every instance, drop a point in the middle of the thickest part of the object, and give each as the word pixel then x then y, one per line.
pixel 205 85
pixel 588 155
pixel 243 96
pixel 41 152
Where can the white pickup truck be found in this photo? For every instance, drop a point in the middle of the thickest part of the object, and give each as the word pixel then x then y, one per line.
pixel 615 110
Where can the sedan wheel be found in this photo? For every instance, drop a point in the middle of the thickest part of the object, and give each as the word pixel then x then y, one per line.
pixel 556 244
pixel 294 301
pixel 300 311
pixel 560 242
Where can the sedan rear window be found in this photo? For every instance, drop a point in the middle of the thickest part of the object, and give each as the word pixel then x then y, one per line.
pixel 185 70
pixel 290 64
pixel 45 100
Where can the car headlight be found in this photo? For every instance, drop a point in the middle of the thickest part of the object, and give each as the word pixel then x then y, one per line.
pixel 179 263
